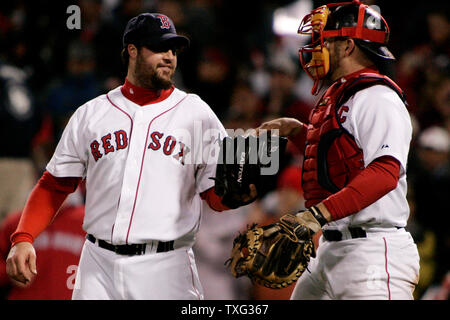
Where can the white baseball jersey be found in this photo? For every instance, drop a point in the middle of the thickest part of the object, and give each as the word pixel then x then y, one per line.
pixel 144 165
pixel 380 123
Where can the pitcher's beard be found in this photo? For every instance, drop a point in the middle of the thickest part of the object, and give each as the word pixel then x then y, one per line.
pixel 149 78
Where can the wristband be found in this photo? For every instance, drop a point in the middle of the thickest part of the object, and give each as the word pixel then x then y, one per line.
pixel 318 215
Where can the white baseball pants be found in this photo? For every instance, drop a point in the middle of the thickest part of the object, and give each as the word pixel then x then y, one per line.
pixel 385 265
pixel 105 275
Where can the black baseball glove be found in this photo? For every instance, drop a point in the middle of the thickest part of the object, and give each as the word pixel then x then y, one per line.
pixel 244 161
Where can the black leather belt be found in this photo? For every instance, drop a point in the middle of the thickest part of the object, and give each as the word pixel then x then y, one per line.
pixel 130 249
pixel 355 232
pixel 336 235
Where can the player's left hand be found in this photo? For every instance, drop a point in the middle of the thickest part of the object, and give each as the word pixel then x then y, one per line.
pixel 247 197
pixel 305 223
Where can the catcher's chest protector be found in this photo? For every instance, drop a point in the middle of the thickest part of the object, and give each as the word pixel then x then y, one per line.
pixel 332 157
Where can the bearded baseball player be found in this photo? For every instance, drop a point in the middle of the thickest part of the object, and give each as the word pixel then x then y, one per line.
pixel 147 152
pixel 354 169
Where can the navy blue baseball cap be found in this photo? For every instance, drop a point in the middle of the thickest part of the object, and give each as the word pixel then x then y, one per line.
pixel 153 30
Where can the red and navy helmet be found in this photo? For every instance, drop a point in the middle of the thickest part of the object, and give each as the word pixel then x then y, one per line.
pixel 350 20
pixel 363 24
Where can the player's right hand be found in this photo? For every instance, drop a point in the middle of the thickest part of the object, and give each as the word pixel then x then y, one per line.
pixel 21 262
pixel 286 126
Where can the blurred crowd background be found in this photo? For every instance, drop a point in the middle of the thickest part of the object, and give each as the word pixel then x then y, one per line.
pixel 243 61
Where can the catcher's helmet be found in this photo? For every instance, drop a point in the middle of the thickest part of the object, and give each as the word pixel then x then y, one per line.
pixel 351 20
pixel 349 16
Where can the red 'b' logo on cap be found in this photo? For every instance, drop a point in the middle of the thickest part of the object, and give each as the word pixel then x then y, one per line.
pixel 165 24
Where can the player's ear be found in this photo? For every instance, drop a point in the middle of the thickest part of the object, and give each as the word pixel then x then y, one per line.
pixel 349 47
pixel 132 51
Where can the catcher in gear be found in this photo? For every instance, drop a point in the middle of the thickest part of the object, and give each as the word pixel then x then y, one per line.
pixel 353 173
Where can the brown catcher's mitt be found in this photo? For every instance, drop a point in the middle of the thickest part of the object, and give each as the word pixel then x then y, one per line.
pixel 271 255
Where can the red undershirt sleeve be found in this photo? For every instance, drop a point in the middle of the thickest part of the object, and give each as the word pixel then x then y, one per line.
pixel 214 201
pixel 42 206
pixel 376 180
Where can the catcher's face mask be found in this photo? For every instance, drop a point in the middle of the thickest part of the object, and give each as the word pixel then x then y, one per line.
pixel 317 25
